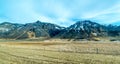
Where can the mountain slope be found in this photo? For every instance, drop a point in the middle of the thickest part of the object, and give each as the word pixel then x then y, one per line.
pixel 84 29
pixel 113 30
pixel 80 30
pixel 40 29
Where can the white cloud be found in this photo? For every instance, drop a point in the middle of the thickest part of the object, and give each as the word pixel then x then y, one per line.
pixel 61 12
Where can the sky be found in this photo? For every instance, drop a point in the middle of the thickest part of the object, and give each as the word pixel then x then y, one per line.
pixel 60 12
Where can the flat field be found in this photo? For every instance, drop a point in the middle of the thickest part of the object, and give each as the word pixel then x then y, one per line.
pixel 59 52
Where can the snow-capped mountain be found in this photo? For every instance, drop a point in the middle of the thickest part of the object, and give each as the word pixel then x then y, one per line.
pixel 79 30
pixel 84 29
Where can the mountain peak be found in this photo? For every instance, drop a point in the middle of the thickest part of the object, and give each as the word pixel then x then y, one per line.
pixel 81 29
pixel 86 24
pixel 38 21
pixel 5 23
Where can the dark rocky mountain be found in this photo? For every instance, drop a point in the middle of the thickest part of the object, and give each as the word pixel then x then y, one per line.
pixel 7 29
pixel 80 30
pixel 113 30
pixel 18 31
pixel 84 29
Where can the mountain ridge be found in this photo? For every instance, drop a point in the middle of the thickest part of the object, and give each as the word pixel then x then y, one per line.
pixel 80 30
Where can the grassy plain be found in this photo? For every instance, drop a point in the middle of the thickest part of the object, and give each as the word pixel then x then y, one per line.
pixel 59 52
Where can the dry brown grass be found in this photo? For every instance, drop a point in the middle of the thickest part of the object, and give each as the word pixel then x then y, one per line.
pixel 59 52
pixel 91 47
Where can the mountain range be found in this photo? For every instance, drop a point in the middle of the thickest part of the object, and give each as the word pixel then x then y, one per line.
pixel 80 30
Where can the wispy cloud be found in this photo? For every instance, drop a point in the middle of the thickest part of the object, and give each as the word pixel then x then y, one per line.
pixel 61 12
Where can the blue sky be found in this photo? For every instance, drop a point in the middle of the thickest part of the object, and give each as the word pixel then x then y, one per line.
pixel 61 12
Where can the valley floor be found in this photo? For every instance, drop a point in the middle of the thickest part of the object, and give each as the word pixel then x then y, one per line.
pixel 59 52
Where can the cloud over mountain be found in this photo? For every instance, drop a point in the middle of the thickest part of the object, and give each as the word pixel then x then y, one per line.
pixel 61 12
